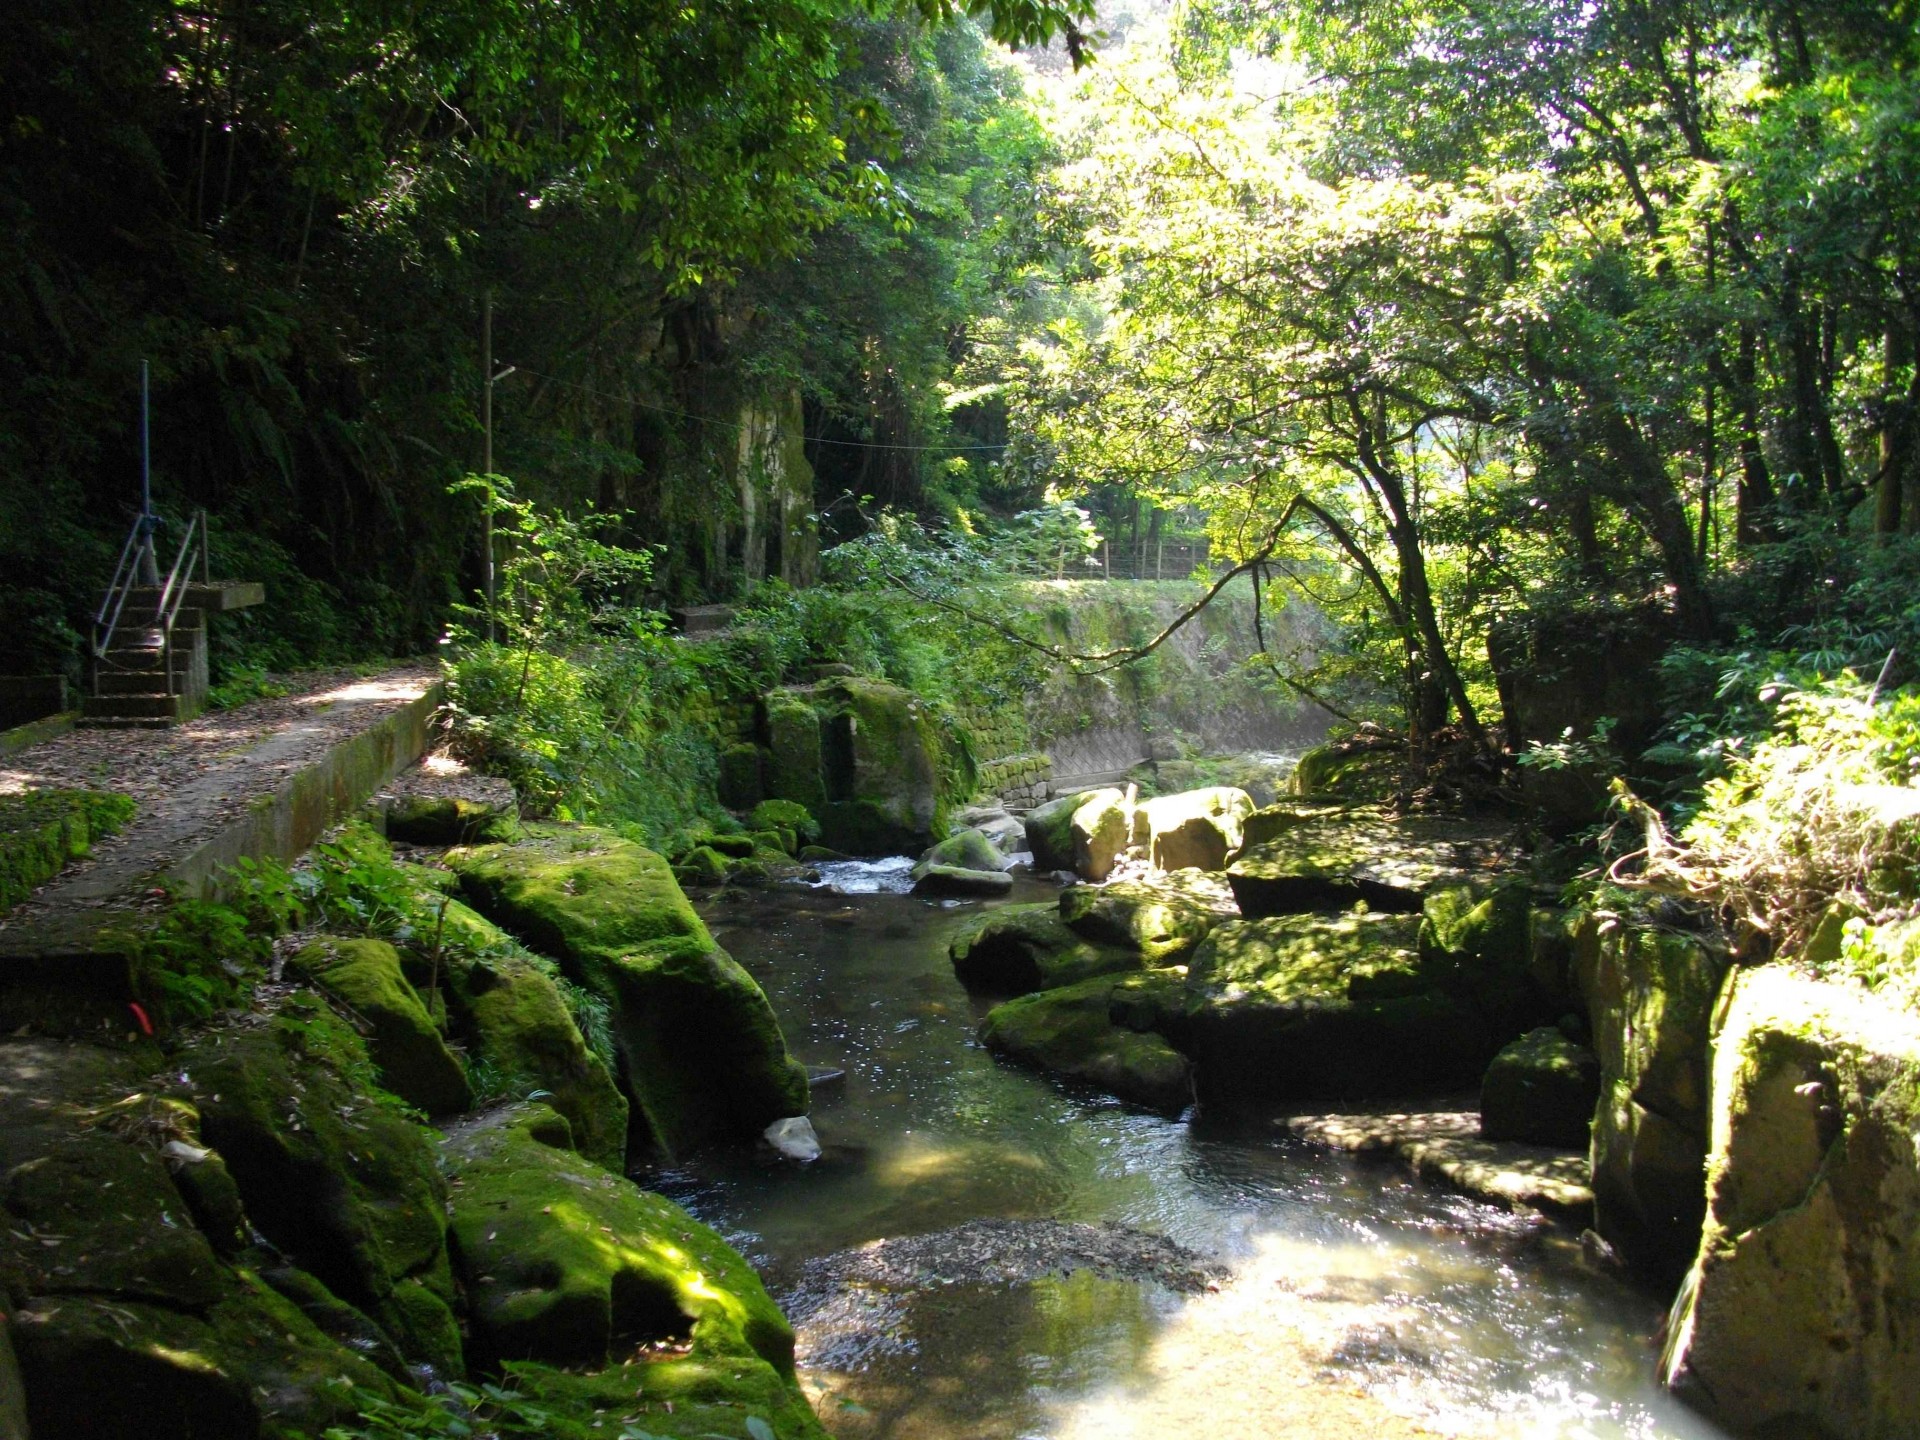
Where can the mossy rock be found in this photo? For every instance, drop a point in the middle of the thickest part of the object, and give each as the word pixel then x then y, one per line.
pixel 1541 1089
pixel 1195 829
pixel 1160 919
pixel 330 1172
pixel 522 1026
pixel 733 847
pixel 702 865
pixel 1479 942
pixel 132 1327
pixel 1650 995
pixel 1323 1007
pixel 42 831
pixel 788 817
pixel 563 1261
pixel 413 1061
pixel 1270 822
pixel 1798 1315
pixel 963 850
pixel 954 882
pixel 1072 1032
pixel 1050 829
pixel 1017 949
pixel 700 1050
pixel 449 820
pixel 794 769
pixel 1390 862
pixel 869 761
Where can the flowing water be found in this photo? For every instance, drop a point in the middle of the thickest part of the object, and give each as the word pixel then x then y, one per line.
pixel 1360 1302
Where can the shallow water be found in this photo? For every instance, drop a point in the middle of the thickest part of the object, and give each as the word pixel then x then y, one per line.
pixel 1362 1302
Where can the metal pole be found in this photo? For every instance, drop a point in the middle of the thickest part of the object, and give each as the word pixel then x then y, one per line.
pixel 148 565
pixel 486 450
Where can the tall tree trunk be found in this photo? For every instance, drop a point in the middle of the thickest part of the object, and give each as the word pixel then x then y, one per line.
pixel 1754 500
pixel 1896 432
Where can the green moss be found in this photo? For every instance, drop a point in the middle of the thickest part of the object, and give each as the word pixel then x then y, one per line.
pixel 967 850
pixel 785 815
pixel 130 1325
pixel 1071 1032
pixel 564 1262
pixel 1161 919
pixel 700 1049
pixel 793 769
pixel 42 831
pixel 449 820
pixel 689 1397
pixel 1050 830
pixel 1323 1006
pixel 329 1170
pixel 1541 1089
pixel 414 1063
pixel 1479 942
pixel 522 1027
pixel 1331 861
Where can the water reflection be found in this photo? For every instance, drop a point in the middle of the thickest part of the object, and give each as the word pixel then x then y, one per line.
pixel 1362 1301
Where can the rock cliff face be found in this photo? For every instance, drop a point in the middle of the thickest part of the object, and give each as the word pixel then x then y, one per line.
pixel 1801 1314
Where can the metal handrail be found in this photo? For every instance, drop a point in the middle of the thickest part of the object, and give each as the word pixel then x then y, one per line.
pixel 173 592
pixel 119 587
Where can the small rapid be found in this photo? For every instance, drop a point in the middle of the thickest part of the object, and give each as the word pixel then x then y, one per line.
pixel 1353 1299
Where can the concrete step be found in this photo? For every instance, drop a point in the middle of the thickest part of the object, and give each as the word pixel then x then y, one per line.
pixel 150 707
pixel 219 595
pixel 138 682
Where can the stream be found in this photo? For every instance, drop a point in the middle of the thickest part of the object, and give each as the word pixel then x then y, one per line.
pixel 1343 1298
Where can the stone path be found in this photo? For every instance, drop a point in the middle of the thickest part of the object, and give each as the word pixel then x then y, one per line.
pixel 1445 1145
pixel 192 781
pixel 259 781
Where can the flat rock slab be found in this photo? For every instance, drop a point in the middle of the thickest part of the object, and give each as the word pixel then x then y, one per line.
pixel 1445 1145
pixel 1391 862
pixel 852 1306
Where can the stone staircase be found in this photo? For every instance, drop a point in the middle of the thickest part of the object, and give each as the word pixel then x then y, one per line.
pixel 150 675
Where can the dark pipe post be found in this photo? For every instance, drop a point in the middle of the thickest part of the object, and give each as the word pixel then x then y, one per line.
pixel 149 565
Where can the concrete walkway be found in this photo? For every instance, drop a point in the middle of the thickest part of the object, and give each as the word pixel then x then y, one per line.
pixel 261 781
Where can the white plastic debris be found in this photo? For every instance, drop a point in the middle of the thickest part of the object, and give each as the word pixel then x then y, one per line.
pixel 793 1137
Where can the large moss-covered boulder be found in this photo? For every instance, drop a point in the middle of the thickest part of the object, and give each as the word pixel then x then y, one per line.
pixel 1102 829
pixel 1390 862
pixel 126 1323
pixel 520 1024
pixel 1269 822
pixel 1050 828
pixel 1322 1006
pixel 1650 996
pixel 1021 948
pixel 693 1396
pixel 413 1061
pixel 329 1171
pixel 1541 1090
pixel 700 1050
pixel 1801 1314
pixel 566 1262
pixel 1073 1032
pixel 869 760
pixel 1195 829
pixel 1160 919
